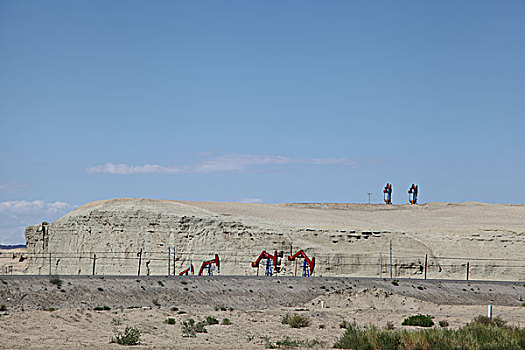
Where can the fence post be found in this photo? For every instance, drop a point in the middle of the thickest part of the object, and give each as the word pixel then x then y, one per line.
pixel 169 260
pixel 426 264
pixel 174 256
pixel 468 267
pixel 390 258
pixel 380 266
pixel 94 261
pixel 140 260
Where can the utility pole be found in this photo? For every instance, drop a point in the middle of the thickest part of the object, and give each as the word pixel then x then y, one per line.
pixel 369 193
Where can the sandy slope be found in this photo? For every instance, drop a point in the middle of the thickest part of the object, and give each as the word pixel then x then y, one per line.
pixel 255 307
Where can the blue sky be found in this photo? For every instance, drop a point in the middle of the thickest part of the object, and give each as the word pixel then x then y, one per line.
pixel 274 101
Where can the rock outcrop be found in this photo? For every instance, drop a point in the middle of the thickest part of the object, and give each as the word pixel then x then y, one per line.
pixel 114 236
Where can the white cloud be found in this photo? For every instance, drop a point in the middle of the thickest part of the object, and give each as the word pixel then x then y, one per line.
pixel 16 215
pixel 224 163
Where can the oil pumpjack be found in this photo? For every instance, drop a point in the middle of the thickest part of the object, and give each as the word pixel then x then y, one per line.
pixel 208 264
pixel 412 194
pixel 387 193
pixel 272 262
pixel 308 264
pixel 187 271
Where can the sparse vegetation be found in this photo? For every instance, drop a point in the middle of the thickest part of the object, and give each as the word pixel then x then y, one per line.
pixel 443 323
pixel 50 309
pixel 116 321
pixel 131 336
pixel 4 281
pixel 295 321
pixel 190 328
pixel 481 333
pixel 160 283
pixel 156 302
pixel 56 281
pixel 100 289
pixel 419 321
pixel 395 283
pixel 211 320
pixel 221 308
pixel 170 320
pixel 183 282
pixel 174 308
pixel 181 312
pixel 3 307
pixel 102 308
pixel 226 322
pixel 288 343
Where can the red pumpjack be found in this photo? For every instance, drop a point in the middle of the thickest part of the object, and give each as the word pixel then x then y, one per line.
pixel 209 263
pixel 308 266
pixel 187 271
pixel 275 262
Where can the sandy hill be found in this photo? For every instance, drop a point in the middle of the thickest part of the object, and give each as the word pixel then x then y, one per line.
pixel 347 239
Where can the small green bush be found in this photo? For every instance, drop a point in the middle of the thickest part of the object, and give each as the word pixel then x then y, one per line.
pixel 395 283
pixel 295 321
pixel 189 328
pixel 174 308
pixel 100 289
pixel 56 281
pixel 419 321
pixel 155 302
pixel 183 282
pixel 5 282
pixel 211 321
pixel 160 283
pixel 3 307
pixel 131 336
pixel 443 324
pixel 486 321
pixel 50 309
pixel 226 322
pixel 102 308
pixel 170 320
pixel 181 312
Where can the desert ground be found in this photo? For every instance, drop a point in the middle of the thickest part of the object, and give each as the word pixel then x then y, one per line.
pixel 350 242
pixel 43 315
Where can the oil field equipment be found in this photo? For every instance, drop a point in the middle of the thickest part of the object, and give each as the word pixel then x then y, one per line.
pixel 387 193
pixel 412 194
pixel 208 265
pixel 188 271
pixel 272 262
pixel 308 264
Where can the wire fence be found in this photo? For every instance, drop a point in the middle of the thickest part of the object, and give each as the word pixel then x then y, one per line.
pixel 232 262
